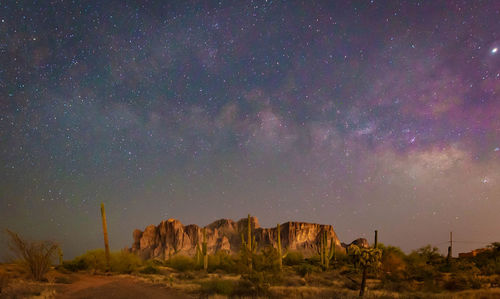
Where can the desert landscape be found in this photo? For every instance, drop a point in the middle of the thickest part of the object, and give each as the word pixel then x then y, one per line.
pixel 249 149
pixel 228 259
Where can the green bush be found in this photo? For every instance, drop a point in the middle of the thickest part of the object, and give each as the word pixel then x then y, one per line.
pixel 181 263
pixel 222 261
pixel 90 260
pixel 293 258
pixel 266 261
pixel 218 286
pixel 75 265
pixel 125 262
pixel 121 262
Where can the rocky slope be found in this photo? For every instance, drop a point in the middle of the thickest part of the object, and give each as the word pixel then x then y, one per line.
pixel 171 237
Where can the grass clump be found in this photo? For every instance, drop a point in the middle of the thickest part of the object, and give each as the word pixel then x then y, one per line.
pixel 218 286
pixel 150 269
pixel 95 260
pixel 181 263
pixel 293 258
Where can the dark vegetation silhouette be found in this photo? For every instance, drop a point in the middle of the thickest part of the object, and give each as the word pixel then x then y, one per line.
pixel 36 256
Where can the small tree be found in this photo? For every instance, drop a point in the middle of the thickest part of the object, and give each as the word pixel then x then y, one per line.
pixel 495 250
pixel 366 258
pixel 37 256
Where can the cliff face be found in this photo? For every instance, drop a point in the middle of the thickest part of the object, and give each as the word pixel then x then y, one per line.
pixel 171 237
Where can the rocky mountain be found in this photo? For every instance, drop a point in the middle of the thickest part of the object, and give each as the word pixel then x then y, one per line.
pixel 172 237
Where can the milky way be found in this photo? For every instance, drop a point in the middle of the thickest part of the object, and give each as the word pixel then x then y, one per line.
pixel 365 115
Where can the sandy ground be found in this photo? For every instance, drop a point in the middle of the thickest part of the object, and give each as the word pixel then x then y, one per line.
pixel 89 286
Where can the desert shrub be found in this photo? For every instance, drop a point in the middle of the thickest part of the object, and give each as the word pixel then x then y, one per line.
pixel 124 262
pixel 267 260
pixel 252 284
pixel 90 260
pixel 75 265
pixel 423 265
pixel 313 260
pixel 155 262
pixel 150 270
pixel 395 283
pixel 489 261
pixel 393 261
pixel 319 279
pixel 36 256
pixel 462 281
pixel 218 286
pixel 27 289
pixel 293 258
pixel 222 261
pixel 490 268
pixel 181 263
pixel 95 260
pixel 305 269
pixel 341 260
pixel 186 276
pixel 427 254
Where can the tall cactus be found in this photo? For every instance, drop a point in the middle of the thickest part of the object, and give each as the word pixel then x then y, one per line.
pixel 198 254
pixel 281 256
pixel 326 254
pixel 250 245
pixel 204 250
pixel 105 233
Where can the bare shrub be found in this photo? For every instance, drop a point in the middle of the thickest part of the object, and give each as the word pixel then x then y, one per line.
pixel 36 256
pixel 4 281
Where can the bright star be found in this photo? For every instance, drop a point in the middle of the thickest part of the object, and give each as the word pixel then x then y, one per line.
pixel 494 50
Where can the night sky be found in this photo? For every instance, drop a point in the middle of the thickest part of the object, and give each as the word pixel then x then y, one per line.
pixel 361 114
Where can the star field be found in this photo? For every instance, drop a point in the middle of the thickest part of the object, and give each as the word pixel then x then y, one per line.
pixel 361 114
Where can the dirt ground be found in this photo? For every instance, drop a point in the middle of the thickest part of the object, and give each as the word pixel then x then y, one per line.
pixel 15 283
pixel 87 286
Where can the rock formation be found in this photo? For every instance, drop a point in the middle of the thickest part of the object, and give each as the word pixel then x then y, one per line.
pixel 172 237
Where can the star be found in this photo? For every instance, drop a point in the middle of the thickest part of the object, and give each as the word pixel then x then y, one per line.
pixel 494 50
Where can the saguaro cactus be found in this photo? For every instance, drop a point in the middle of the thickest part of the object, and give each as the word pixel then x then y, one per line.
pixel 204 250
pixel 281 256
pixel 249 233
pixel 250 245
pixel 198 254
pixel 105 233
pixel 326 254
